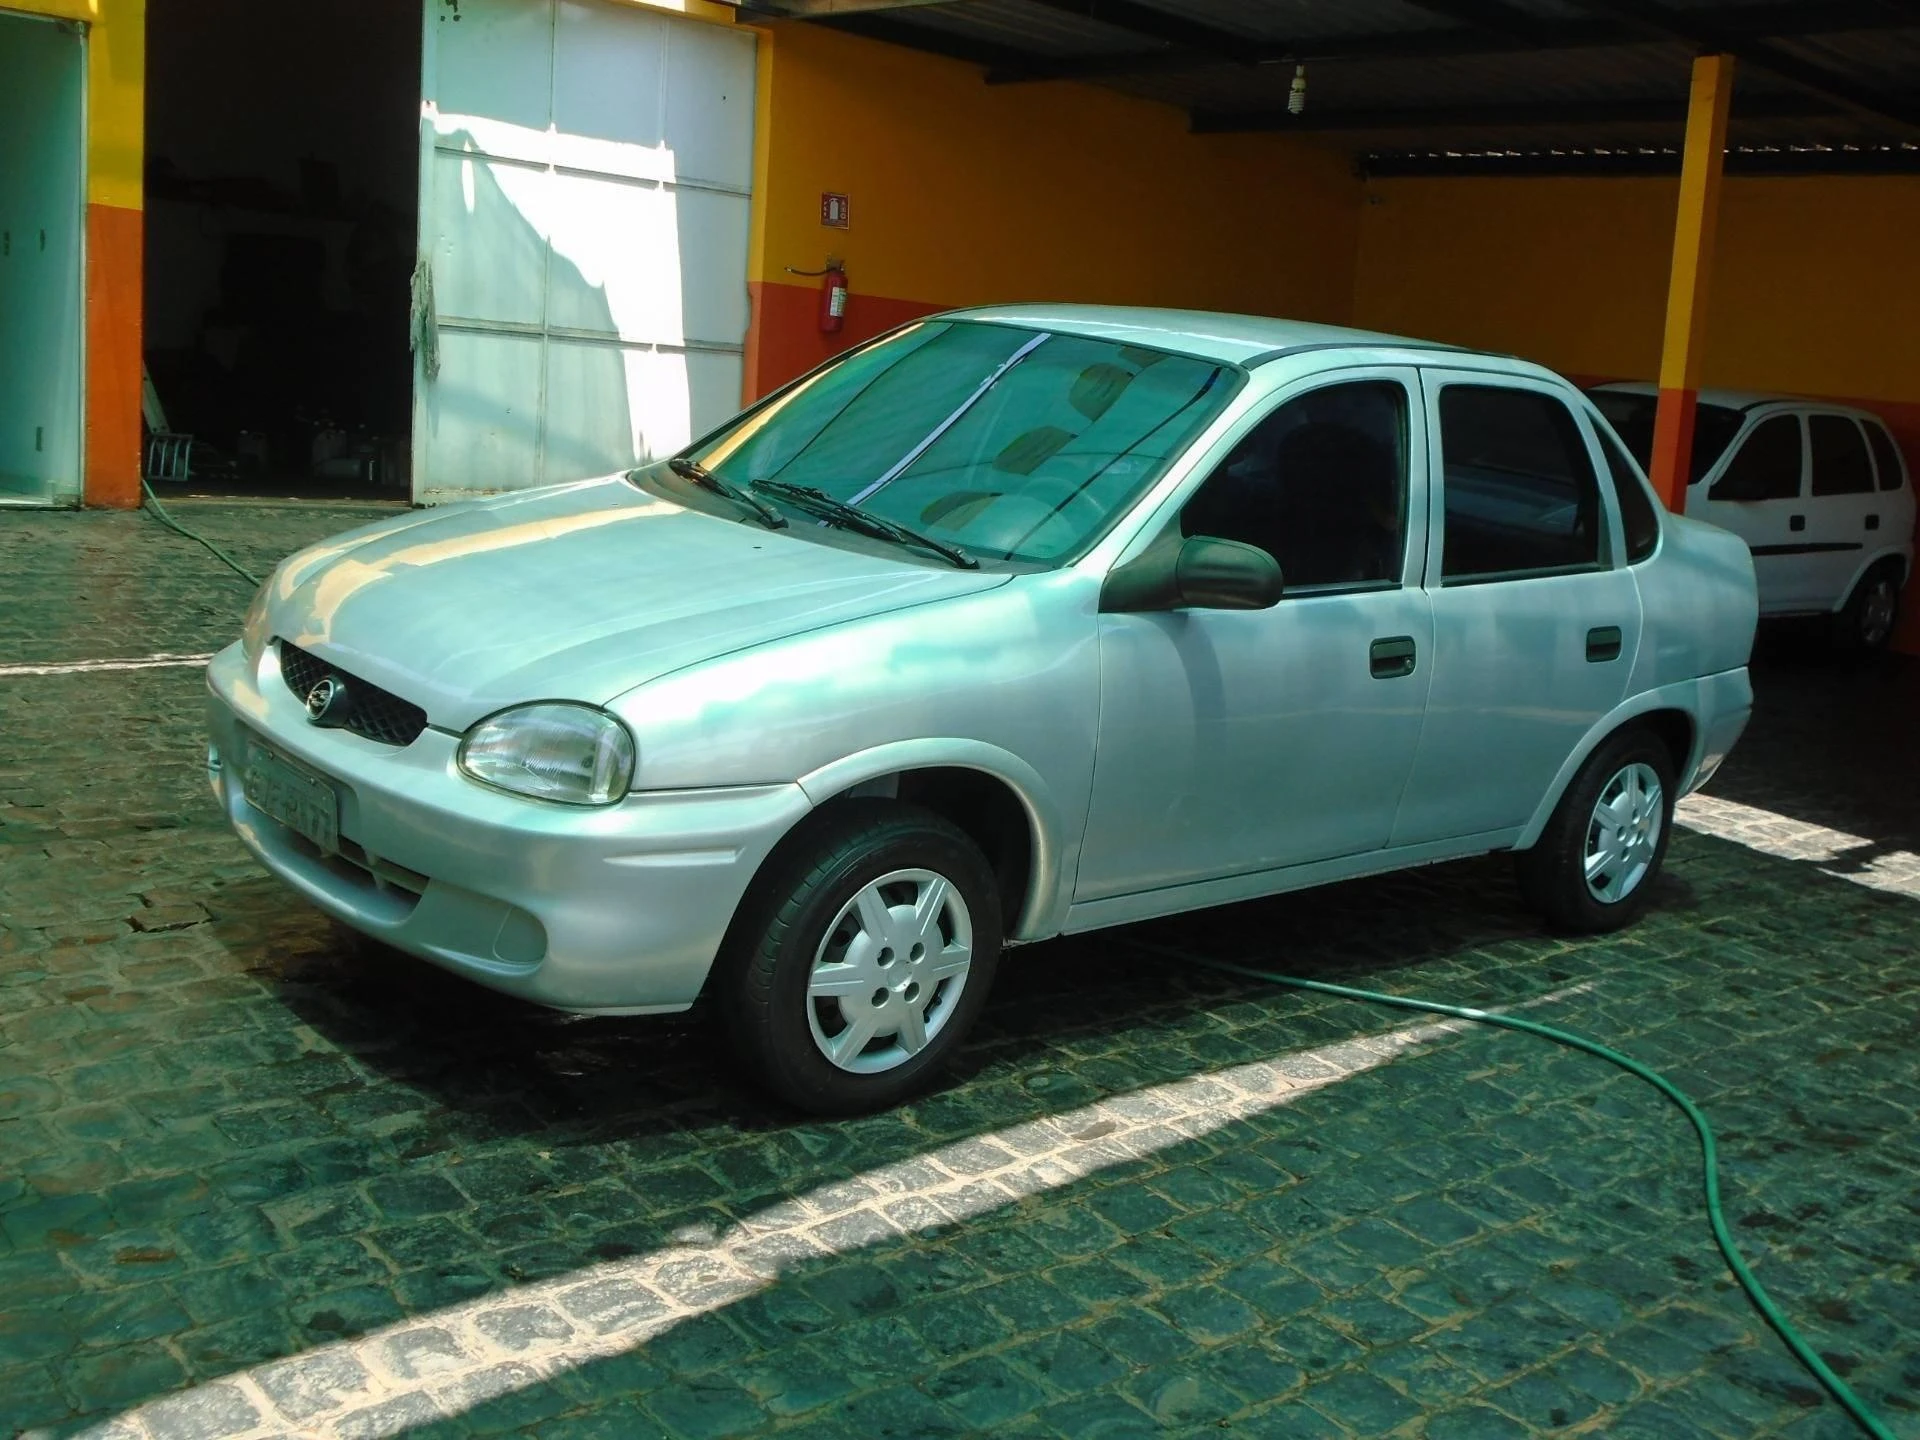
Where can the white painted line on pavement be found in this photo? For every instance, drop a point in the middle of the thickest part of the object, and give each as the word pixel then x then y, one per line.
pixel 163 661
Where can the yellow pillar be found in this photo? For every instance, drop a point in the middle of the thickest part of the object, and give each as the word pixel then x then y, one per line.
pixel 1693 234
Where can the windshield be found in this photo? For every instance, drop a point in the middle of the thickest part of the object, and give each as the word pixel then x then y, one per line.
pixel 1632 414
pixel 1009 443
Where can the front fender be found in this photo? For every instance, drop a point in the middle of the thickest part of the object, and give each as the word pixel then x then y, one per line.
pixel 1717 708
pixel 1046 888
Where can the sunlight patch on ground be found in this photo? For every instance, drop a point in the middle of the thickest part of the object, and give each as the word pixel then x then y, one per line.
pixel 1849 857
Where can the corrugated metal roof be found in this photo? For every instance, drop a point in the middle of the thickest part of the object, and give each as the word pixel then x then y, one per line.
pixel 1603 84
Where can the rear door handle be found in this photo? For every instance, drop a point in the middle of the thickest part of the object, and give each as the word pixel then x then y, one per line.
pixel 1393 657
pixel 1873 522
pixel 1603 644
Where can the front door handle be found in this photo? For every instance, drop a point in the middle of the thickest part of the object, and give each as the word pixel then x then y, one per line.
pixel 1393 657
pixel 1796 522
pixel 1603 644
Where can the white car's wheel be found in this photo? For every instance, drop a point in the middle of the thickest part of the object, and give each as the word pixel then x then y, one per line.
pixel 1593 867
pixel 861 958
pixel 1865 623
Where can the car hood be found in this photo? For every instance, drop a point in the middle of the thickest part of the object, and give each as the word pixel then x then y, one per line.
pixel 576 592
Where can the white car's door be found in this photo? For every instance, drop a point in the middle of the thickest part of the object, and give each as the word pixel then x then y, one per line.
pixel 1536 620
pixel 1758 491
pixel 1233 742
pixel 1842 505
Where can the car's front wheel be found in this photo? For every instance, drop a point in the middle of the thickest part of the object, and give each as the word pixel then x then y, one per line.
pixel 1865 623
pixel 1594 865
pixel 861 958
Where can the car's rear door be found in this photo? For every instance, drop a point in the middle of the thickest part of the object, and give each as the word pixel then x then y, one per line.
pixel 1536 619
pixel 1843 506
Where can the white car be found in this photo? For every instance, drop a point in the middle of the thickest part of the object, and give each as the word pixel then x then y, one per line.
pixel 1819 492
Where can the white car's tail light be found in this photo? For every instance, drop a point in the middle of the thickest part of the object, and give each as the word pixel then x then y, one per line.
pixel 574 754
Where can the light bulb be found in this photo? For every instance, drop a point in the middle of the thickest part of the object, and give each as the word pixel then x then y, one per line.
pixel 1297 92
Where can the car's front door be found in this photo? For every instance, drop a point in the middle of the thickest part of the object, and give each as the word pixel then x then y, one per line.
pixel 1535 619
pixel 1759 493
pixel 1238 741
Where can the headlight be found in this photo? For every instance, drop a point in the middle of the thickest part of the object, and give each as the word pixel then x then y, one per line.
pixel 552 751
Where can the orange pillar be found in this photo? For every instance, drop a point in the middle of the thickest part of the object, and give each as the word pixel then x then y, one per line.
pixel 1693 235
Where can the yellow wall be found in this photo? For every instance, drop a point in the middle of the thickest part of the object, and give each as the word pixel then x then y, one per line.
pixel 965 193
pixel 1814 289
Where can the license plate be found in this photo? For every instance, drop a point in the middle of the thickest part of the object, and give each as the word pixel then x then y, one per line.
pixel 297 798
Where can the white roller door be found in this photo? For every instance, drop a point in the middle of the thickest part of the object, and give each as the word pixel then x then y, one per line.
pixel 582 302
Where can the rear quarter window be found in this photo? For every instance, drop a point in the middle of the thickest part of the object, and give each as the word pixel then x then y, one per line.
pixel 1637 515
pixel 1886 458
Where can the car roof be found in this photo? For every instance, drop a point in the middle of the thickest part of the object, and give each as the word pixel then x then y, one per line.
pixel 1735 399
pixel 1210 335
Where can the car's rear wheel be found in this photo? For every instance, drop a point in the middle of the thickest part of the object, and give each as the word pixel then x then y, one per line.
pixel 1594 865
pixel 861 958
pixel 1865 623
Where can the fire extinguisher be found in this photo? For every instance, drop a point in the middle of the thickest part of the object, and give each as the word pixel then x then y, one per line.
pixel 833 294
pixel 833 298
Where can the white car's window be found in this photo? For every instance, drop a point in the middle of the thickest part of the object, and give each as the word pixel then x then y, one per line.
pixel 1840 462
pixel 1885 458
pixel 1632 416
pixel 1321 485
pixel 1011 443
pixel 1637 515
pixel 1766 466
pixel 1521 496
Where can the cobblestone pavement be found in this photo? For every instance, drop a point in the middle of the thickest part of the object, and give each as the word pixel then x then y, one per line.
pixel 258 1179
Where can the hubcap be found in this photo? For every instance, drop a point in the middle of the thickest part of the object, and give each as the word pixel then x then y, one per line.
pixel 888 976
pixel 1624 834
pixel 1876 614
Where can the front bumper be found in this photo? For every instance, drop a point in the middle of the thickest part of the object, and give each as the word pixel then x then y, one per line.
pixel 618 910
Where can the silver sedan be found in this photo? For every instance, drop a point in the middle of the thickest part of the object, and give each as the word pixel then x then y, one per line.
pixel 1011 623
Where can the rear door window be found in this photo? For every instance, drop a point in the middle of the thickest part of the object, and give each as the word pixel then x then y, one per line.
pixel 1521 495
pixel 1840 462
pixel 1885 458
pixel 1766 466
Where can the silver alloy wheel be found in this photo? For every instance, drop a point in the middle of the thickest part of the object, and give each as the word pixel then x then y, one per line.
pixel 887 978
pixel 1877 609
pixel 1624 834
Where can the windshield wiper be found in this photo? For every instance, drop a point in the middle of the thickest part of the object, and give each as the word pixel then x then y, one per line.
pixel 851 517
pixel 699 474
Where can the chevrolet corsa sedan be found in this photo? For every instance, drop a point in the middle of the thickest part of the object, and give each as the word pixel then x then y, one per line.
pixel 1011 623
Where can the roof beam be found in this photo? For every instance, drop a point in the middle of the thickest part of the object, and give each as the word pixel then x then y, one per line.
pixel 1497 117
pixel 875 25
pixel 1747 22
pixel 1162 25
pixel 1872 160
pixel 1689 27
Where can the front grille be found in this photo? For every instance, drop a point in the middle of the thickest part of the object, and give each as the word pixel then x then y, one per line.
pixel 372 712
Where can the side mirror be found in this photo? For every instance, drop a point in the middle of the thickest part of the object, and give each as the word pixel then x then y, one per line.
pixel 1196 573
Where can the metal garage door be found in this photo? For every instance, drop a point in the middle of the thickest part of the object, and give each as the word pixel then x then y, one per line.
pixel 582 298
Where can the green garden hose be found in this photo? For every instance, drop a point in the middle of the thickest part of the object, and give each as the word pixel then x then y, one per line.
pixel 1709 1152
pixel 160 514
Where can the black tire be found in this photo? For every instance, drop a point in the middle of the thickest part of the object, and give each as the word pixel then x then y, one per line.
pixel 765 968
pixel 1552 874
pixel 1863 626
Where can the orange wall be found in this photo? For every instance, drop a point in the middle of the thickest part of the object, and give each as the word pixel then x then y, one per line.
pixel 963 193
pixel 1814 288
